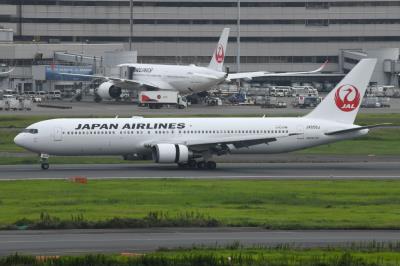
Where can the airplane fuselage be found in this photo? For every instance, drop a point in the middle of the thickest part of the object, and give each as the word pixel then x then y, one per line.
pixel 122 136
pixel 185 79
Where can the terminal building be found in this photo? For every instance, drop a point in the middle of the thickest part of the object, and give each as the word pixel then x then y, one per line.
pixel 276 36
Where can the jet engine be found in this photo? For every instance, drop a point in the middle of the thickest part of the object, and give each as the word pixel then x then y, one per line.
pixel 107 90
pixel 170 153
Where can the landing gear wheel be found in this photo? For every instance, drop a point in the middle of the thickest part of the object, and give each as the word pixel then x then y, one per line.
pixel 44 161
pixel 201 165
pixel 192 164
pixel 211 165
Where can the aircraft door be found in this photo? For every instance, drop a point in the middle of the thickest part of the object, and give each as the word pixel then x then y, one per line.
pixel 58 134
pixel 300 131
pixel 131 70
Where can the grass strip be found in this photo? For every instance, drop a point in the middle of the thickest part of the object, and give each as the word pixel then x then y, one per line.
pixel 233 255
pixel 273 204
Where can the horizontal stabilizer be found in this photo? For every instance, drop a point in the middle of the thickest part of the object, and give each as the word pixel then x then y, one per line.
pixel 344 131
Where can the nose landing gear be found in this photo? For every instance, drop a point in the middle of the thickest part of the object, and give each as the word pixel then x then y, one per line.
pixel 44 161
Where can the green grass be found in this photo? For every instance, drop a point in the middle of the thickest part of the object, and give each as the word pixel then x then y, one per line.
pixel 272 204
pixel 233 256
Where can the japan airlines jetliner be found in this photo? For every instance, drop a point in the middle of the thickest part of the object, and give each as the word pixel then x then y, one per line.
pixel 191 142
pixel 185 79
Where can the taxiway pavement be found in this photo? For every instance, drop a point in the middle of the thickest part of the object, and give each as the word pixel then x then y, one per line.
pixel 337 170
pixel 61 242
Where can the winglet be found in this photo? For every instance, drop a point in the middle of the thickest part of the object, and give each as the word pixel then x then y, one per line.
pixel 7 72
pixel 321 67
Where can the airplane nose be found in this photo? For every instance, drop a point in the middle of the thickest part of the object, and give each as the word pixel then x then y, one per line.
pixel 19 140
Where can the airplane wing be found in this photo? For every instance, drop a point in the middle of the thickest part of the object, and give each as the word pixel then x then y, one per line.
pixel 153 84
pixel 250 75
pixel 7 72
pixel 225 143
pixel 150 84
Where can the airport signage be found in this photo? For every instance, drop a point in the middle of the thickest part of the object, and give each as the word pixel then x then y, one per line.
pixel 57 72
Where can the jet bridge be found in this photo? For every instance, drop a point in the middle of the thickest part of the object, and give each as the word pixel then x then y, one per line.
pixel 79 58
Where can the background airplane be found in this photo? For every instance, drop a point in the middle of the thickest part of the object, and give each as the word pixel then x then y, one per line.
pixel 185 79
pixel 192 142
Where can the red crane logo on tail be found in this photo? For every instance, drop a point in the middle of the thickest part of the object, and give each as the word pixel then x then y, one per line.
pixel 219 53
pixel 347 98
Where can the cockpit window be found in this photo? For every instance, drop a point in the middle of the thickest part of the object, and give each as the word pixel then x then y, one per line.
pixel 30 130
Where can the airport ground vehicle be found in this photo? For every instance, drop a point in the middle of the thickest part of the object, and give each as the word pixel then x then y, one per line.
pixel 375 102
pixel 272 102
pixel 26 104
pixel 214 101
pixel 306 101
pixel 279 91
pixel 191 142
pixel 304 90
pixel 384 101
pixel 157 99
pixel 238 98
pixel 36 99
pixel 13 104
pixel 54 95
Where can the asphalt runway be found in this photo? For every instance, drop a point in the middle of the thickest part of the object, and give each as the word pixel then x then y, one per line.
pixel 61 242
pixel 338 170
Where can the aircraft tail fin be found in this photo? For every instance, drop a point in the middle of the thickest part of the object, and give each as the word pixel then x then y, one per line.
pixel 343 102
pixel 218 57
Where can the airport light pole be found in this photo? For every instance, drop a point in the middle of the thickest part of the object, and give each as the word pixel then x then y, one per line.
pixel 130 24
pixel 238 42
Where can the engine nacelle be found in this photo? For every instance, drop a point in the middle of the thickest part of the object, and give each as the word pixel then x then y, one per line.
pixel 107 90
pixel 170 153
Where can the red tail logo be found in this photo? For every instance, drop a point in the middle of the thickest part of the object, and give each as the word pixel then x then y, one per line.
pixel 347 98
pixel 219 54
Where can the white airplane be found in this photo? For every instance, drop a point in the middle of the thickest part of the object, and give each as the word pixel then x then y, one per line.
pixel 191 142
pixel 185 79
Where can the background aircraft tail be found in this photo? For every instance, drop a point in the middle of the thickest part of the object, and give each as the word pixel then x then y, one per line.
pixel 218 57
pixel 343 102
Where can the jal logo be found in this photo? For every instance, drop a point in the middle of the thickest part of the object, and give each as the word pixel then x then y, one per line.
pixel 347 98
pixel 219 54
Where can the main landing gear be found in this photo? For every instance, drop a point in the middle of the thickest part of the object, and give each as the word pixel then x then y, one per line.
pixel 44 161
pixel 193 164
